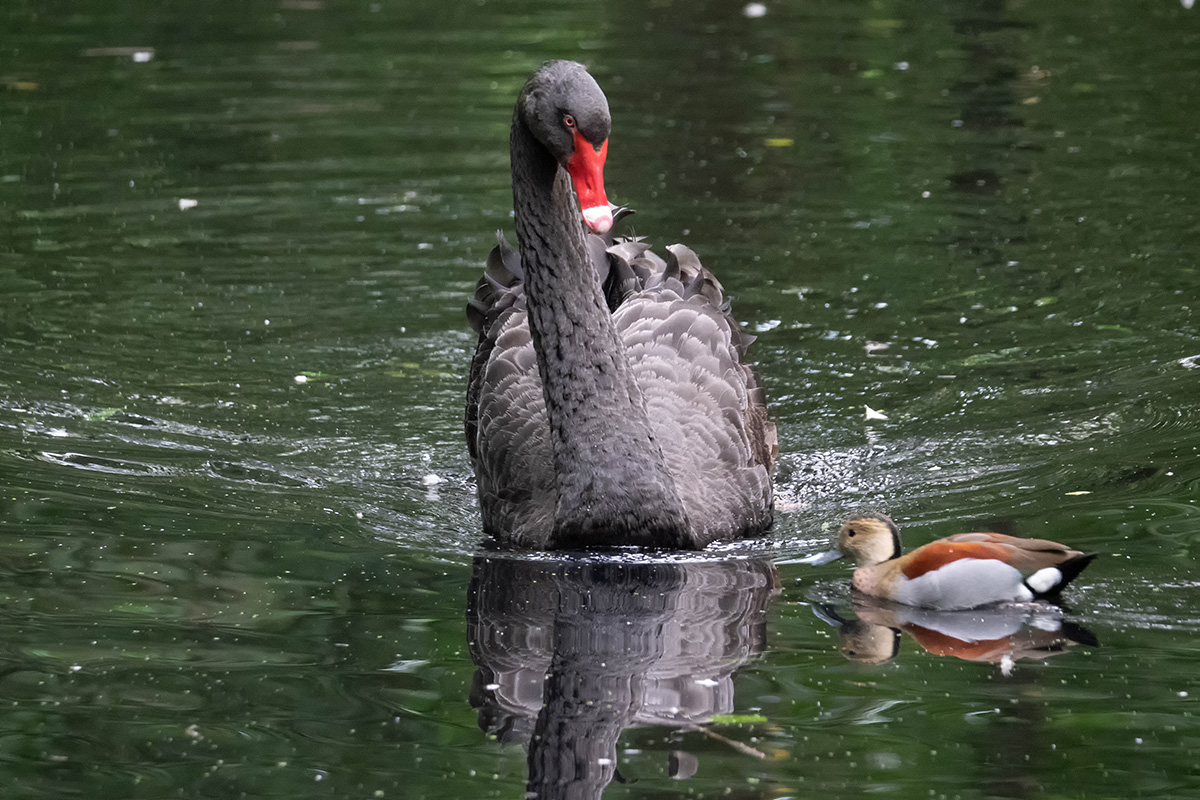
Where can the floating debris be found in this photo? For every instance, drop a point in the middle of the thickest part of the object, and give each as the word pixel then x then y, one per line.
pixel 872 414
pixel 754 10
pixel 139 55
pixel 186 203
pixel 1006 665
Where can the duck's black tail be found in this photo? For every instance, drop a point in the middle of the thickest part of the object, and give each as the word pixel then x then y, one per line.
pixel 1068 570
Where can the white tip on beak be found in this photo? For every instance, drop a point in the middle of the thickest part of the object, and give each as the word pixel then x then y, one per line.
pixel 598 218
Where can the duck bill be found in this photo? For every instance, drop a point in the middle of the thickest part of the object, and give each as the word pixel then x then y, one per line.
pixel 586 167
pixel 818 559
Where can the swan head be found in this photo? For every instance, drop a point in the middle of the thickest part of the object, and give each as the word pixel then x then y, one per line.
pixel 566 111
pixel 870 539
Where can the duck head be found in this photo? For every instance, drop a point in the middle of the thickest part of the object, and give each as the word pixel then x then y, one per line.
pixel 869 539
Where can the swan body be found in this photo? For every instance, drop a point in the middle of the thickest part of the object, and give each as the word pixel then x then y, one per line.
pixel 607 403
pixel 962 571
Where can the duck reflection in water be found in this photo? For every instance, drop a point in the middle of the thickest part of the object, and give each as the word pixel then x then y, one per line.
pixel 570 653
pixel 997 635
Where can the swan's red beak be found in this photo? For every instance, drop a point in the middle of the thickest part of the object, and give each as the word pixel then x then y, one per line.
pixel 586 166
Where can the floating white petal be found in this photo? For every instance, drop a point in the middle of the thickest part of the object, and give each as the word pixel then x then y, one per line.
pixel 872 414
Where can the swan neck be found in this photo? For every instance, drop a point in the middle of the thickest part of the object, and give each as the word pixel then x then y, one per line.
pixel 613 484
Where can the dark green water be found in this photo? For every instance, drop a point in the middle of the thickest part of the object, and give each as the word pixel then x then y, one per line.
pixel 217 581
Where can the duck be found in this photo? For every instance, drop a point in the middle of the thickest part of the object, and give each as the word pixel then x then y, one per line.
pixel 609 403
pixel 967 570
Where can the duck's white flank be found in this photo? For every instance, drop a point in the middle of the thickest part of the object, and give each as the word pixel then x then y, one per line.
pixel 965 583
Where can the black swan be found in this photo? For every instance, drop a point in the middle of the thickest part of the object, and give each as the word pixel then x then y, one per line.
pixel 607 403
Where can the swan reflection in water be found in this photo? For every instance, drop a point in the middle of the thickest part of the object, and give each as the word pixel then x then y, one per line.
pixel 1002 634
pixel 569 653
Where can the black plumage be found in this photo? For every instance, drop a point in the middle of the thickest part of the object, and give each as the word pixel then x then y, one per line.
pixel 607 402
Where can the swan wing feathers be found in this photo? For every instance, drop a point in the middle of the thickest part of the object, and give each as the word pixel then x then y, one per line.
pixel 506 425
pixel 705 407
pixel 496 289
pixel 681 307
pixel 508 433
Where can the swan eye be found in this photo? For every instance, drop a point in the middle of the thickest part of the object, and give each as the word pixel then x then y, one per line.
pixel 568 120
